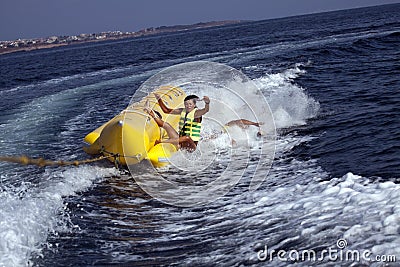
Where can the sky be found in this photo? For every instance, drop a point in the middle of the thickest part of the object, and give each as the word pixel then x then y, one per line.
pixel 26 19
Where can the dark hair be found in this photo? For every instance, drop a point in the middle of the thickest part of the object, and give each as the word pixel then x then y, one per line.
pixel 194 97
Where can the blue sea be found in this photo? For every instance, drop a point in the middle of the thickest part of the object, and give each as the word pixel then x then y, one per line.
pixel 331 82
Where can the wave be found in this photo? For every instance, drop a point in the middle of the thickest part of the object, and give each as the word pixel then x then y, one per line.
pixel 314 215
pixel 30 214
pixel 57 85
pixel 394 34
pixel 290 104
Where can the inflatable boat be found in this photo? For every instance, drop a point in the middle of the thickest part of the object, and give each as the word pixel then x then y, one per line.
pixel 130 136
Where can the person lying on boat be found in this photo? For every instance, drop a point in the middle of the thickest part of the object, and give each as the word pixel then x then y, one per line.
pixel 241 123
pixel 189 124
pixel 244 124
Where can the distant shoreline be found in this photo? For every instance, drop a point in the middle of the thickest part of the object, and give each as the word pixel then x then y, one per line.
pixel 26 45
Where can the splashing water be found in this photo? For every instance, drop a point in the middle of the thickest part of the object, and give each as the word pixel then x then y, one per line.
pixel 29 213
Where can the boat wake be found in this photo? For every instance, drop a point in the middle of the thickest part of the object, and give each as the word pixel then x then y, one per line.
pixel 30 212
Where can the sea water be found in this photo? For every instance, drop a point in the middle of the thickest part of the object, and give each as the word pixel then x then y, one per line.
pixel 332 83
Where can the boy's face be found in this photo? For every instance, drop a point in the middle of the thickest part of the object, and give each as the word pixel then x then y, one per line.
pixel 189 105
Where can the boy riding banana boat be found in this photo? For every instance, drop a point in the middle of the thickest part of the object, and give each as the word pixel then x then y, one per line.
pixel 189 122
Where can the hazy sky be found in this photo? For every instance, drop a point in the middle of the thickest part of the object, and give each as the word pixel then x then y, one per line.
pixel 42 18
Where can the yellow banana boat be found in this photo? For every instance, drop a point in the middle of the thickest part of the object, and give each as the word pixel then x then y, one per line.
pixel 129 137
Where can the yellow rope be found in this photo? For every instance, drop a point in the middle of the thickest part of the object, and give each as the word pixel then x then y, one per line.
pixel 25 160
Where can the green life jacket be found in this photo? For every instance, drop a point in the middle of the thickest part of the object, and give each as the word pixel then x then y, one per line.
pixel 189 125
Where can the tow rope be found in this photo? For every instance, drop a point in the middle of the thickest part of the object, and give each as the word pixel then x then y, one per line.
pixel 25 160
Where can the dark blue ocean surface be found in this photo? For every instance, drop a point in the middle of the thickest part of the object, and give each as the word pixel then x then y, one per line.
pixel 332 83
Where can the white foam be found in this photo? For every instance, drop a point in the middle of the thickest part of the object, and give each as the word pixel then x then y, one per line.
pixel 289 103
pixel 29 213
pixel 352 200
